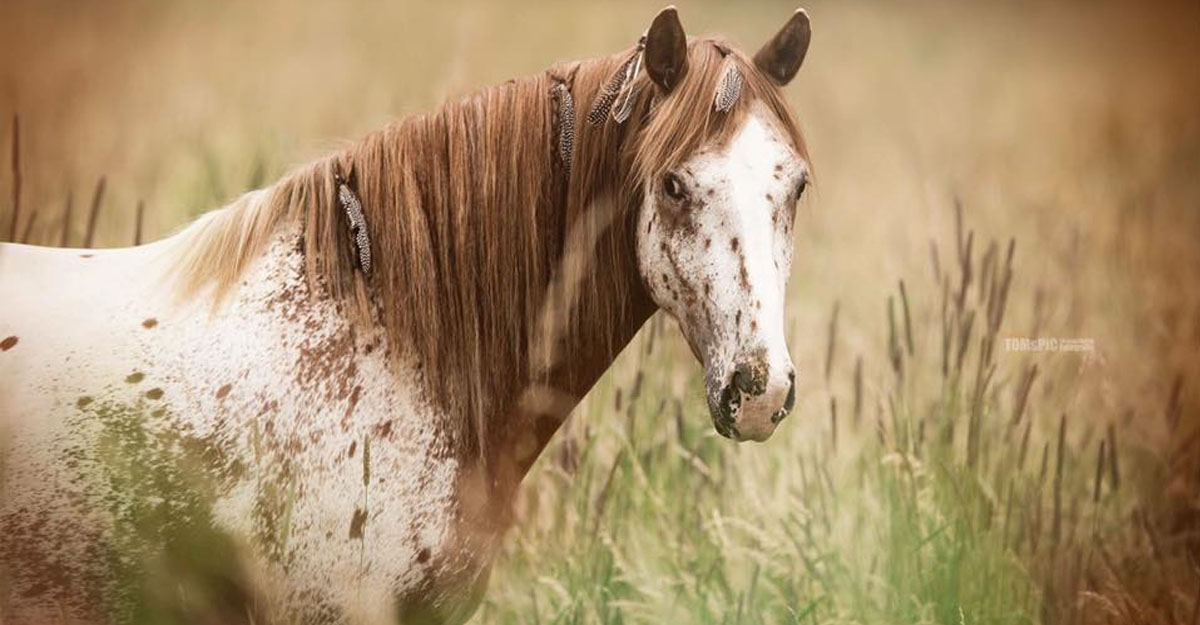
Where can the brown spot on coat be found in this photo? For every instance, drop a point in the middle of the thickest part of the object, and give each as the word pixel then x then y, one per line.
pixel 154 393
pixel 150 323
pixel 86 255
pixel 734 244
pixel 82 402
pixel 353 448
pixel 8 343
pixel 135 377
pixel 224 390
pixel 357 522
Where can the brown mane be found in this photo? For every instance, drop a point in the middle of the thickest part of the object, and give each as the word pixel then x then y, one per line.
pixel 470 215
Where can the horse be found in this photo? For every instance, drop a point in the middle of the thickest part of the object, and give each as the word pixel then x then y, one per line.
pixel 317 403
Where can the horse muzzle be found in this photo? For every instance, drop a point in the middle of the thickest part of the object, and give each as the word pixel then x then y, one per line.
pixel 751 400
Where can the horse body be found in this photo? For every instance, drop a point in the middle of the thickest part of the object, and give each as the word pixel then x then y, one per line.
pixel 189 405
pixel 239 424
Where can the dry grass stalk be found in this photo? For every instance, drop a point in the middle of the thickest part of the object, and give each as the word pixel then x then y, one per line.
pixel 1022 395
pixel 998 301
pixel 831 346
pixel 602 497
pixel 987 270
pixel 946 325
pixel 958 228
pixel 1056 530
pixel 833 421
pixel 16 173
pixel 908 334
pixel 894 354
pixel 1099 472
pixel 1114 470
pixel 1024 446
pixel 858 390
pixel 935 261
pixel 966 273
pixel 97 197
pixel 983 377
pixel 964 341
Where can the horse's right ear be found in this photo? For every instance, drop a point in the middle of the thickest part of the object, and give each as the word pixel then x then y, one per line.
pixel 666 49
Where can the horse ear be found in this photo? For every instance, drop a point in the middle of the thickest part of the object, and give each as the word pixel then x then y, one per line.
pixel 666 49
pixel 780 58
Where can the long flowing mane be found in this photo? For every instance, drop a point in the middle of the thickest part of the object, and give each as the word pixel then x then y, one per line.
pixel 470 212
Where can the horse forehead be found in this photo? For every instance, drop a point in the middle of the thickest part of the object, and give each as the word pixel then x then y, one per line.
pixel 756 156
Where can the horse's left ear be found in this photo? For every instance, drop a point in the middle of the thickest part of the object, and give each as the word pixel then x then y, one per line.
pixel 666 49
pixel 780 58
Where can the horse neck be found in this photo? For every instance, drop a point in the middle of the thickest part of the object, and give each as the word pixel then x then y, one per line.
pixel 585 347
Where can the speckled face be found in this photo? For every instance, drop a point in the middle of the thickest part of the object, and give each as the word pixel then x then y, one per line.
pixel 715 250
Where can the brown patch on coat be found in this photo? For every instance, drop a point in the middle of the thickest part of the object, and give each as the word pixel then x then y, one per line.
pixel 150 323
pixel 357 522
pixel 224 391
pixel 350 406
pixel 82 402
pixel 154 393
pixel 135 377
pixel 8 343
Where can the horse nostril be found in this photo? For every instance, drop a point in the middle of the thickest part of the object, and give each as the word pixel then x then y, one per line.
pixel 750 379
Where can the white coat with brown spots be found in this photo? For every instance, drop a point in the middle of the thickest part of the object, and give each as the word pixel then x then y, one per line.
pixel 171 424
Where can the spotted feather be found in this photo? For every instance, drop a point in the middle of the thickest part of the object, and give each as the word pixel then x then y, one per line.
pixel 729 88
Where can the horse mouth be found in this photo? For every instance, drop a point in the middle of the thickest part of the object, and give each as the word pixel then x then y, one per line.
pixel 724 411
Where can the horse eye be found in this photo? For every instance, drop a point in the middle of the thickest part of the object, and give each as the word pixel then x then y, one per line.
pixel 673 187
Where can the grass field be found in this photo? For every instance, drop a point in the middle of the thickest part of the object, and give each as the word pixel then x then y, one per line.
pixel 984 174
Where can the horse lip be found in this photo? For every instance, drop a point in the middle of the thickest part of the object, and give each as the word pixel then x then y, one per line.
pixel 726 428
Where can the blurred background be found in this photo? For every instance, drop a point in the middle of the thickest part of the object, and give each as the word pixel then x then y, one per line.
pixel 984 171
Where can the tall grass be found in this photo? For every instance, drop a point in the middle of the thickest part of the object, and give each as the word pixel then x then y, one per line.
pixel 930 508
